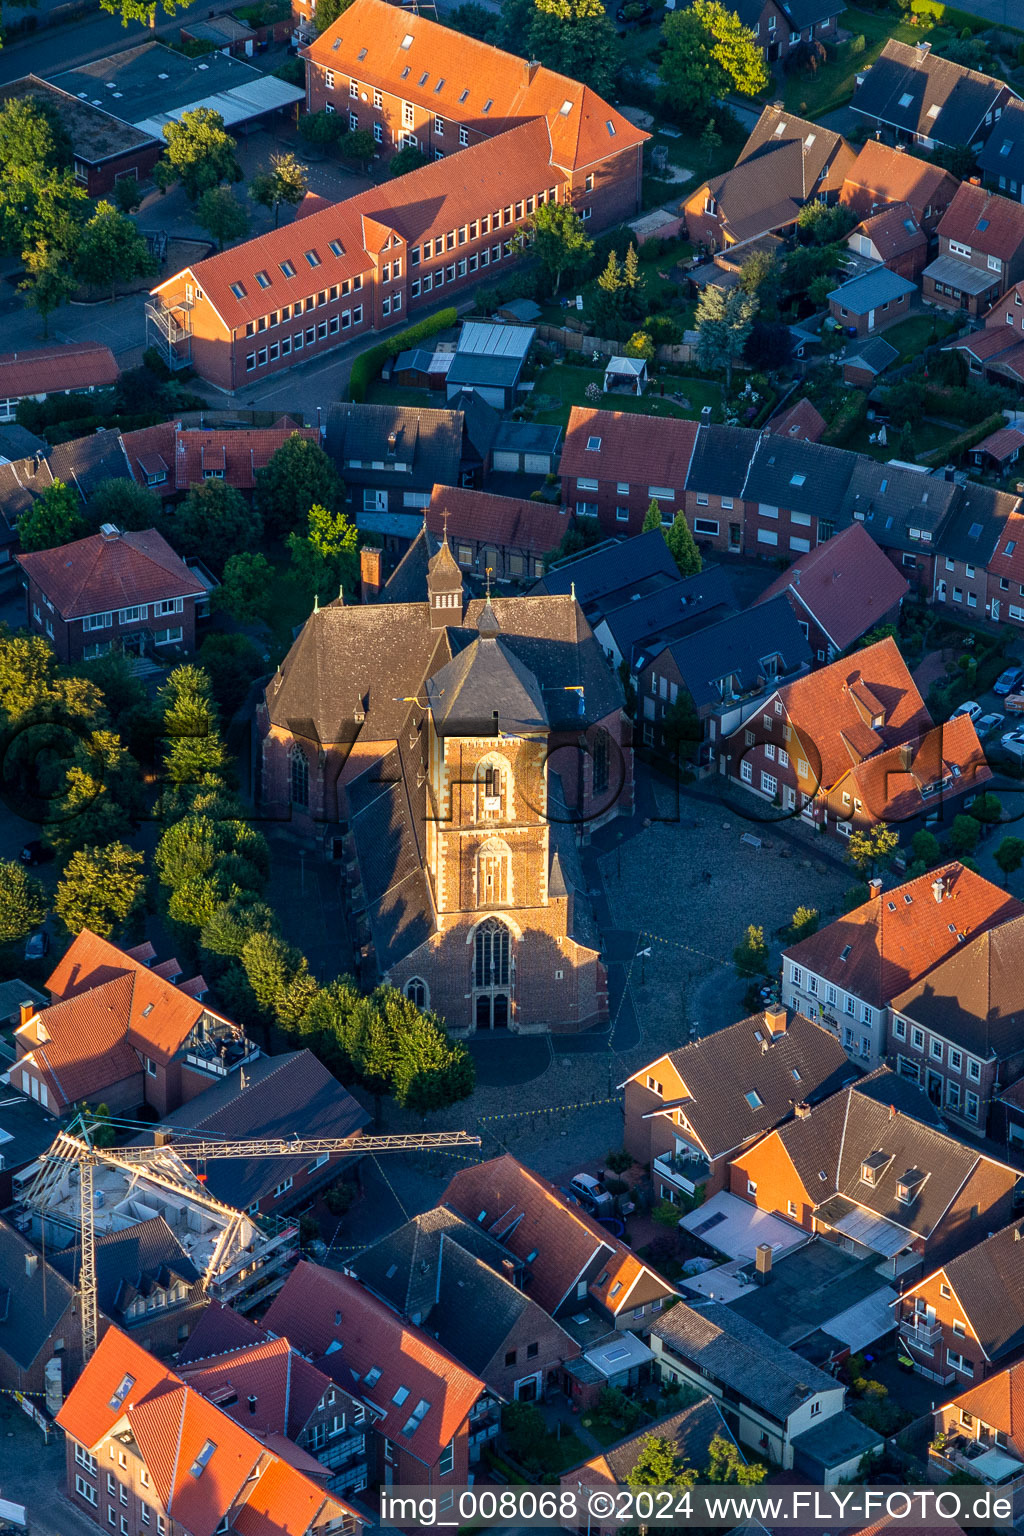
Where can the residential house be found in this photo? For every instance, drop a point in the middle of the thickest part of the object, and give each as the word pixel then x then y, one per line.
pixel 958 1030
pixel 390 458
pixel 904 510
pixel 614 464
pixel 71 368
pixel 40 1328
pixel 1001 161
pixel 520 447
pixel 571 1263
pixel 639 626
pixel 884 176
pixel 690 1112
pixel 235 455
pixel 121 1030
pixel 122 1417
pixel 839 591
pixel 980 1430
pixel 1005 583
pixel 104 148
pixel 83 462
pixel 716 508
pixel 966 547
pixel 606 576
pixel 489 362
pixel 272 1098
pixel 848 973
pixel 150 455
pixel 981 251
pixel 794 492
pixel 893 237
pixel 769 1397
pixel 999 452
pixel 964 1320
pixel 725 669
pixel 780 26
pixel 785 163
pixel 113 590
pixel 427 1269
pixel 801 420
pixel 504 536
pixel 881 1184
pixel 871 301
pixel 864 360
pixel 425 1408
pixel 915 96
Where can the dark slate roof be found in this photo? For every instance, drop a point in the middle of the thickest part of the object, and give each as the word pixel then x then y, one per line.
pixel 132 1262
pixel 31 1306
pixel 282 1095
pixel 527 436
pixel 976 997
pixel 566 873
pixel 837 1440
pixel 798 475
pixel 804 13
pixel 481 422
pixel 739 646
pixel 962 96
pixel 889 501
pixel 385 827
pixel 81 463
pixel 730 1350
pixel 887 1087
pixel 687 605
pixel 470 370
pixel 870 290
pixel 988 1281
pixel 613 568
pixel 218 1329
pixel 721 460
pixel 427 442
pixel 976 524
pixel 485 683
pixel 1003 154
pixel 17 442
pixel 871 352
pixel 691 1431
pixel 808 1288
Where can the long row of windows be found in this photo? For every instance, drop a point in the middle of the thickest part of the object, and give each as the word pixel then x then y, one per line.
pixel 134 615
pixel 299 339
pixel 288 312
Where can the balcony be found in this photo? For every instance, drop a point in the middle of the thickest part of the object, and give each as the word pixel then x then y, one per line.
pixel 686 1170
pixel 915 1330
pixel 220 1057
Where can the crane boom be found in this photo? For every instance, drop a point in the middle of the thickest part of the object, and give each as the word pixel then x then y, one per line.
pixel 300 1146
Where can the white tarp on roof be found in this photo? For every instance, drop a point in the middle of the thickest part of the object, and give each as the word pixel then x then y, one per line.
pixel 238 105
pixel 619 1354
pixel 735 1228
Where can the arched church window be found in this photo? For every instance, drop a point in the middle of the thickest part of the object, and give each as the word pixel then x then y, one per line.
pixel 299 776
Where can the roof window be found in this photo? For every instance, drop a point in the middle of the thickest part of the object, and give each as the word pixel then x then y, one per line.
pixel 906 99
pixel 424 77
pixel 1011 545
pixel 439 86
pixel 845 952
pixel 482 1216
pixel 909 900
pixel 892 906
pixel 238 289
pixel 202 1461
pixel 611 127
pixel 796 1075
pixel 593 445
pixel 405 73
pixel 532 1255
pixel 400 1396
pixel 934 111
pixel 124 1387
pixel 464 97
pixel 780 128
pixel 798 479
pixel 335 247
pixel 565 109
pixel 263 278
pixel 1006 146
pixel 488 104
pixel 416 1418
pixel 809 140
pixel 406 41
pixel 974 531
pixel 336 45
pixel 754 1099
pixel 616 1288
pixel 147 1010
pixel 288 269
pixel 372 1376
pixel 981 225
pixel 312 258
pixel 361 55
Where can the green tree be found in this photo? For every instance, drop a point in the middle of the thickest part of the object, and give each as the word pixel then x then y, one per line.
pixel 200 154
pixel 321 130
pixel 285 182
pixel 925 848
pixel 111 250
pixel 95 793
pixel 681 728
pixel 652 518
pixel 659 1465
pixel 408 159
pixel 279 978
pixel 988 810
pixel 194 750
pixel 803 923
pixel 871 848
pixel 682 547
pixel 560 241
pixel 216 521
pixel 219 212
pixel 54 518
pixel 48 282
pixel 964 835
pixel 128 195
pixel 34 154
pixel 726 1464
pixel 724 322
pixel 1009 856
pixel 761 275
pixel 640 345
pixel 246 591
pixel 710 140
pixel 298 476
pixel 575 37
pixel 429 1070
pixel 232 663
pixel 325 559
pixel 100 889
pixel 824 224
pixel 359 145
pixel 708 53
pixel 328 11
pixel 751 956
pixel 122 502
pixel 22 902
pixel 608 304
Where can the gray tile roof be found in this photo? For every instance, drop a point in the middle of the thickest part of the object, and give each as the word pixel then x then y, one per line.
pixel 800 476
pixel 807 1289
pixel 976 997
pixel 721 459
pixel 976 523
pixel 685 606
pixel 31 1306
pixel 1003 154
pixel 871 352
pixel 804 13
pixel 733 1352
pixel 889 501
pixel 871 290
pixel 484 683
pixel 920 92
pixel 739 646
pixel 130 1263
pixel 527 436
pixel 427 442
pixel 613 568
pixel 691 1431
pixel 838 1440
pixel 81 463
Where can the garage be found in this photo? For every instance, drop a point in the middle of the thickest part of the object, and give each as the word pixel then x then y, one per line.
pixel 506 462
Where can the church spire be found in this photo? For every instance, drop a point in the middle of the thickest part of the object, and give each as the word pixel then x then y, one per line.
pixel 444 586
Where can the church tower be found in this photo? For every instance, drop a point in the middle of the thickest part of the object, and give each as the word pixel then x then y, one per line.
pixel 444 588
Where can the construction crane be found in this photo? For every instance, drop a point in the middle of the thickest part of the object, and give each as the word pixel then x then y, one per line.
pixel 75 1146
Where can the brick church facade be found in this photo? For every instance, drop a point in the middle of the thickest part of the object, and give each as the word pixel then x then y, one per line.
pixel 456 751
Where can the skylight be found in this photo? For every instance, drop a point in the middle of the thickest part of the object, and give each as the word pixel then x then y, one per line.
pixel 424 77
pixel 798 479
pixel 201 1462
pixel 148 1010
pixel 288 269
pixel 335 247
pixel 400 1396
pixel 934 111
pixel 565 109
pixel 464 96
pixel 416 1418
pixel 1006 146
pixel 406 41
pixel 908 899
pixel 593 445
pixel 845 953
pixel 906 99
pixel 754 1099
pixel 361 54
pixel 611 127
pixel 336 45
pixel 780 129
pixel 796 1074
pixel 238 289
pixel 531 1255
pixel 982 224
pixel 313 258
pixel 974 531
pixel 439 85
pixel 809 140
pixel 263 278
pixel 372 1376
pixel 405 73
pixel 1011 545
pixel 488 104
pixel 124 1387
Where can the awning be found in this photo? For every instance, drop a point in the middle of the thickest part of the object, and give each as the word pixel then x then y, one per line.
pixel 238 105
pixel 996 1467
pixel 624 1353
pixel 957 274
pixel 862 1226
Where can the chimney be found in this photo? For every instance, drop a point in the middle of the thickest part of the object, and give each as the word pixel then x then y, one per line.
pixel 109 532
pixel 775 1018
pixel 371 572
pixel 802 1110
pixel 252 1402
pixel 26 1011
pixel 1018 1235
pixel 161 1138
pixel 875 885
pixel 31 1264
pixel 974 181
pixel 763 1263
pixel 938 888
pixel 705 416
pixel 924 48
pixel 892 1111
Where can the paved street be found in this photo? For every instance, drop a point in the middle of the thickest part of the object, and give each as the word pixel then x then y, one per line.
pixel 32 1473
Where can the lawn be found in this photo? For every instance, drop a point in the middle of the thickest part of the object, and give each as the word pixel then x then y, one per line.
pixel 912 335
pixel 928 436
pixel 833 84
pixel 569 384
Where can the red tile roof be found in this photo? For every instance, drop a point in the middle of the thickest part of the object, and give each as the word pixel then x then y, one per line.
pixel 71 365
pixel 1013 296
pixel 896 937
pixel 1008 558
pixel 534 526
pixel 150 453
pixel 847 584
pixel 882 175
pixel 372 1338
pixel 236 455
pixel 801 421
pixel 471 82
pixel 557 1241
pixel 999 1403
pixel 984 221
pixel 80 1047
pixel 1001 443
pixel 286 1387
pixel 893 231
pixel 645 450
pixel 97 574
pixel 988 343
pixel 892 785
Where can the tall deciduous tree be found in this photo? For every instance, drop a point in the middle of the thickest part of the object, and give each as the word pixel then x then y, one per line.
pixel 200 154
pixel 111 250
pixel 122 502
pixel 560 241
pixel 100 889
pixel 216 521
pixel 54 518
pixel 221 214
pixel 285 182
pixel 577 38
pixel 659 1465
pixel 325 558
pixel 328 11
pixel 247 588
pixel 708 54
pixel 48 282
pixel 867 849
pixel 298 476
pixel 22 902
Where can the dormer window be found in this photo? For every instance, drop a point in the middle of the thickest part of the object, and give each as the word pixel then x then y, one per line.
pixel 872 1168
pixel 909 1186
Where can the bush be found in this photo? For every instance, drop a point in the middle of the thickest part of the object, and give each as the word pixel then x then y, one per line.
pixel 368 365
pixel 963 443
pixel 618 1161
pixel 665 1213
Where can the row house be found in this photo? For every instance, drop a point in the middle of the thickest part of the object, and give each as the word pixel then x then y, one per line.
pixel 502 538
pixel 915 96
pixel 981 251
pixel 997 351
pixel 716 507
pixel 69 368
pixel 612 472
pixel 963 1322
pixel 390 458
pixel 904 510
pixel 884 176
pixel 894 238
pixel 120 1423
pixel 412 82
pixel 848 974
pixel 967 573
pixel 689 1113
pixel 1001 162
pixel 794 490
pixel 1005 574
pixel 980 1430
pixel 876 1181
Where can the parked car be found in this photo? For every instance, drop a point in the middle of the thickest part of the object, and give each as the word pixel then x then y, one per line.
pixel 1013 742
pixel 36 852
pixel 1008 681
pixel 38 946
pixel 971 709
pixel 1015 704
pixel 988 723
pixel 591 1196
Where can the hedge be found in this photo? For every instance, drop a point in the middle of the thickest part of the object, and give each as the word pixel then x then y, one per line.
pixel 847 419
pixel 368 365
pixel 962 444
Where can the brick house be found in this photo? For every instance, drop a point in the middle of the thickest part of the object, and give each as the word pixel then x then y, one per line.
pixel 915 96
pixel 999 452
pixel 112 588
pixel 802 420
pixel 876 1181
pixel 965 550
pixel 781 25
pixel 981 251
pixel 390 458
pixel 426 1269
pixel 612 471
pixel 121 1419
pixel 998 349
pixel 982 1427
pixel 502 534
pixel 964 1321
pixel 893 237
pixel 570 1263
pixel 480 911
pixel 121 1030
pixel 424 1406
pixel 871 301
pixel 689 1112
pixel 1001 162
pixel 884 176
pixel 716 508
pixel 794 492
pixel 904 511
pixel 104 148
pixel 848 973
pixel 71 368
pixel 1004 575
pixel 839 591
pixel 865 360
pixel 43 1325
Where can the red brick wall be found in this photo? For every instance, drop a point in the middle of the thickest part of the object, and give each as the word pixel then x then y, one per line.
pixel 101 178
pixel 768 1166
pixel 554 1347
